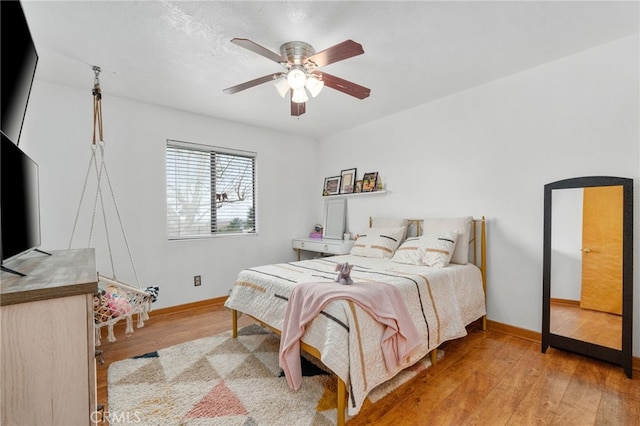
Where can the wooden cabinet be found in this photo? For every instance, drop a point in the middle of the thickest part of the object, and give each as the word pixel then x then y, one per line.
pixel 47 347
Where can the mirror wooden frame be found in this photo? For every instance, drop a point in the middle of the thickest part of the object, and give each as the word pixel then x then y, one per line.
pixel 621 357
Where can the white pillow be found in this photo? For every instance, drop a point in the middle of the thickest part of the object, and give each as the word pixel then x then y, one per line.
pixel 388 222
pixel 410 252
pixel 434 250
pixel 438 248
pixel 378 242
pixel 462 225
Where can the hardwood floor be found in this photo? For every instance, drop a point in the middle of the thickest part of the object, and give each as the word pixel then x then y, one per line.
pixel 601 328
pixel 485 378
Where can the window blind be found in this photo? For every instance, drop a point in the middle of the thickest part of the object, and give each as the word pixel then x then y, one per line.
pixel 210 191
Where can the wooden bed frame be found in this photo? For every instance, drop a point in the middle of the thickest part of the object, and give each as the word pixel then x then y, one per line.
pixel 479 260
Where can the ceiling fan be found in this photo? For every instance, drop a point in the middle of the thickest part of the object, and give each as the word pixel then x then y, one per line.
pixel 302 75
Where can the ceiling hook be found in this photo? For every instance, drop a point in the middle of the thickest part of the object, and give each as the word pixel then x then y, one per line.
pixel 96 71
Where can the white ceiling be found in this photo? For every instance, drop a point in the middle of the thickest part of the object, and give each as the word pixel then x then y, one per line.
pixel 178 53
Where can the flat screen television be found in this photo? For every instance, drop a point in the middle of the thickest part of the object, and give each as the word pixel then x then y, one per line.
pixel 19 202
pixel 19 61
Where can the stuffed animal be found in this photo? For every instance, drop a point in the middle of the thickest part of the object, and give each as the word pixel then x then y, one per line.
pixel 101 311
pixel 112 290
pixel 153 291
pixel 344 271
pixel 118 305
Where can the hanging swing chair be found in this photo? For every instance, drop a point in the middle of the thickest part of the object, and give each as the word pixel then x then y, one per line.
pixel 115 299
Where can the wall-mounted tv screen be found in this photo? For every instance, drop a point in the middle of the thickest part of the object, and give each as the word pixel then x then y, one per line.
pixel 19 60
pixel 19 202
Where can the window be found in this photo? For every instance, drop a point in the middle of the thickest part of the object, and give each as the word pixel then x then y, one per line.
pixel 210 191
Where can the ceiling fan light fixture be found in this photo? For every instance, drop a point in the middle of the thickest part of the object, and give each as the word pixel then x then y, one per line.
pixel 302 78
pixel 282 86
pixel 296 78
pixel 314 85
pixel 299 96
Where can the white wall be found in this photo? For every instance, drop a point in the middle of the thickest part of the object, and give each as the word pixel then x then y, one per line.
pixel 490 150
pixel 57 135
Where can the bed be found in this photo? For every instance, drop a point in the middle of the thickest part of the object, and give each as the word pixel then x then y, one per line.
pixel 441 299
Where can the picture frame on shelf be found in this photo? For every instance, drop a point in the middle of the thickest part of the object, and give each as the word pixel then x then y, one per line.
pixel 358 187
pixel 331 186
pixel 347 181
pixel 369 182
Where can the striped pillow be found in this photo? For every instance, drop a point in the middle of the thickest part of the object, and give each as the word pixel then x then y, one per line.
pixel 462 225
pixel 378 242
pixel 439 248
pixel 434 250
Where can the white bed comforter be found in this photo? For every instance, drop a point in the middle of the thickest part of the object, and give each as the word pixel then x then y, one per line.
pixel 441 303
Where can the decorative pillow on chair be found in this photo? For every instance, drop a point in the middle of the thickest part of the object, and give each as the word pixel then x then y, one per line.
pixel 433 250
pixel 378 242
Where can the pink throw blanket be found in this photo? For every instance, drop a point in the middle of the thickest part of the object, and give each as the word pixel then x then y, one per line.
pixel 382 301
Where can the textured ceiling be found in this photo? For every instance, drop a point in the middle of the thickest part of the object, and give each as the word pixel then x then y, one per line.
pixel 179 54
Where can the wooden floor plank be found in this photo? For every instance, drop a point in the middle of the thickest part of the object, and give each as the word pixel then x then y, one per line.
pixel 506 397
pixel 580 402
pixel 539 405
pixel 494 375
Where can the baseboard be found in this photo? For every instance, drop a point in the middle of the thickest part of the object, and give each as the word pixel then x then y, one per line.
pixel 534 336
pixel 567 302
pixel 522 333
pixel 200 304
pixel 215 302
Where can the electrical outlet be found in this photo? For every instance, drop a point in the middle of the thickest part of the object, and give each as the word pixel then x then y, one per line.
pixel 197 280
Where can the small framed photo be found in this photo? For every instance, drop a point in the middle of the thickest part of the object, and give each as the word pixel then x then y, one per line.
pixel 358 187
pixel 369 181
pixel 347 181
pixel 331 185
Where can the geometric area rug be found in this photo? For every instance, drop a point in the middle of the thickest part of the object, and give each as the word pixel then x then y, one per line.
pixel 220 380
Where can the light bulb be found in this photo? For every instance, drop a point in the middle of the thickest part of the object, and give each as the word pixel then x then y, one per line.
pixel 282 86
pixel 296 79
pixel 299 96
pixel 314 85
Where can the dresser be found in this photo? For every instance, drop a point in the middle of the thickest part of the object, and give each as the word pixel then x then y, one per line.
pixel 324 246
pixel 47 344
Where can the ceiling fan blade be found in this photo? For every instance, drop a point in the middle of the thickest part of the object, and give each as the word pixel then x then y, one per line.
pixel 297 109
pixel 339 52
pixel 256 48
pixel 344 86
pixel 252 83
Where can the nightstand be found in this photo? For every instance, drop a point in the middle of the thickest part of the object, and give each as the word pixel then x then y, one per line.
pixel 322 245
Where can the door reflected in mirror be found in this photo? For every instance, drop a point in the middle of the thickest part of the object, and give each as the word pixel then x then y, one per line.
pixel 587 263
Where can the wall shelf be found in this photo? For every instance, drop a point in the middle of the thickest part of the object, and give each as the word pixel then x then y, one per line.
pixel 356 194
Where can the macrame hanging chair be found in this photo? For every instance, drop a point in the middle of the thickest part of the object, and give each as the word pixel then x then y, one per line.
pixel 115 299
